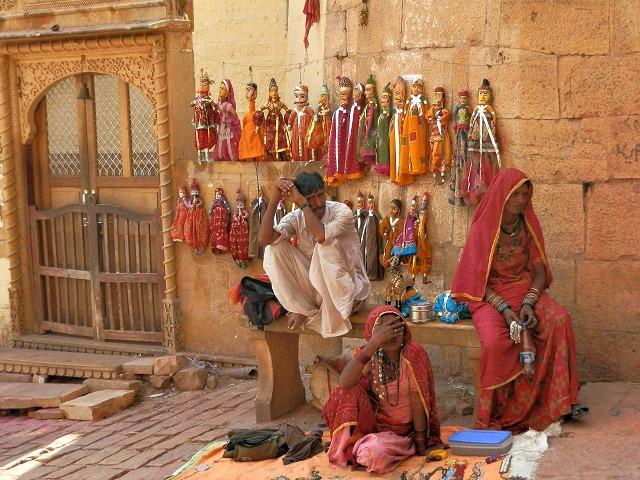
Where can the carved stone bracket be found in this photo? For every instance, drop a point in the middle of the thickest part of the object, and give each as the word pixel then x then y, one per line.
pixel 171 322
pixel 15 306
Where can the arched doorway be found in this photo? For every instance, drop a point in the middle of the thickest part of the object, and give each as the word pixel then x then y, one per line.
pixel 95 225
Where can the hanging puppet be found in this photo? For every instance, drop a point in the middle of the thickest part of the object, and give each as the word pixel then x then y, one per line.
pixel 390 228
pixel 276 140
pixel 196 225
pixel 204 119
pixel 359 101
pixel 405 246
pixel 298 123
pixel 382 132
pixel 398 154
pixel 251 146
pixel 180 216
pixel 371 241
pixel 359 214
pixel 318 133
pixel 483 158
pixel 239 234
pixel 439 139
pixel 228 124
pixel 257 209
pixel 462 117
pixel 369 121
pixel 342 163
pixel 415 130
pixel 421 263
pixel 220 216
pixel 281 211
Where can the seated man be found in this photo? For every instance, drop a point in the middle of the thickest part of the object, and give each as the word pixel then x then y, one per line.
pixel 322 280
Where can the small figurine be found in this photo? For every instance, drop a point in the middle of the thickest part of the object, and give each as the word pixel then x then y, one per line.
pixel 359 214
pixel 204 119
pixel 439 139
pixel 220 216
pixel 239 233
pixel 251 146
pixel 390 228
pixel 298 123
pixel 421 262
pixel 483 160
pixel 196 227
pixel 257 209
pixel 397 283
pixel 228 124
pixel 382 132
pixel 371 241
pixel 405 245
pixel 397 138
pixel 180 217
pixel 276 140
pixel 462 117
pixel 359 101
pixel 415 129
pixel 318 133
pixel 369 120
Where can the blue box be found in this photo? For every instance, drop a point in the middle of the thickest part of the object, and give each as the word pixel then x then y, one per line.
pixel 480 443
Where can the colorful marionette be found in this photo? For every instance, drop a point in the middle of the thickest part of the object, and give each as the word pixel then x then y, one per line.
pixel 405 246
pixel 359 214
pixel 462 117
pixel 439 139
pixel 369 121
pixel 371 241
pixel 359 101
pixel 251 146
pixel 204 119
pixel 415 130
pixel 397 139
pixel 281 211
pixel 228 124
pixel 390 228
pixel 257 209
pixel 298 123
pixel 276 139
pixel 318 133
pixel 382 132
pixel 397 285
pixel 421 262
pixel 239 233
pixel 219 214
pixel 196 225
pixel 342 163
pixel 180 217
pixel 483 157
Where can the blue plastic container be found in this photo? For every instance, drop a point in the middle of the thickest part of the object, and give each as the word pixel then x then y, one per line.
pixel 480 443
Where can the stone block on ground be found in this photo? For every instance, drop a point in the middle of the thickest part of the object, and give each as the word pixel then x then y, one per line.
pixel 97 405
pixel 139 366
pixel 192 378
pixel 96 384
pixel 42 395
pixel 169 365
pixel 160 381
pixel 46 414
pixel 16 377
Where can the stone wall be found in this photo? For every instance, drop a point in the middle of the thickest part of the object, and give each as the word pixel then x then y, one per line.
pixel 568 115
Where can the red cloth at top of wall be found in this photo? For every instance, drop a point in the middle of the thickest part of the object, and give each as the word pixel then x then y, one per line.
pixel 312 11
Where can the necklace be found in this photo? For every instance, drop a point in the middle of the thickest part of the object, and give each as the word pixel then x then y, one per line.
pixel 388 371
pixel 514 240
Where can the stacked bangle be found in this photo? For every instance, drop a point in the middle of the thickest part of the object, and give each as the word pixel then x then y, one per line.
pixel 499 303
pixel 532 297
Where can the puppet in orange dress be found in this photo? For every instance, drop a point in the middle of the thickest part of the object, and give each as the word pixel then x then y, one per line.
pixel 276 140
pixel 390 228
pixel 439 138
pixel 298 123
pixel 397 139
pixel 421 262
pixel 239 234
pixel 415 129
pixel 251 146
pixel 182 209
pixel 204 120
pixel 196 228
pixel 318 133
pixel 219 214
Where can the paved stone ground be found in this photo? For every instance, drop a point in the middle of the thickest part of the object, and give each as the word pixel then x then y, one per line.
pixel 156 436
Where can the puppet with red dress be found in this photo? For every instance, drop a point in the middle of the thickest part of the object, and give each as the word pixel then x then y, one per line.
pixel 204 120
pixel 219 214
pixel 196 227
pixel 239 234
pixel 180 217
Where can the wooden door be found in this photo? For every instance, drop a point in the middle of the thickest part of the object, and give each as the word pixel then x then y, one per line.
pixel 95 222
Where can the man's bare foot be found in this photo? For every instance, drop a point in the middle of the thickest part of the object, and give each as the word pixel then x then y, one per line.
pixel 295 320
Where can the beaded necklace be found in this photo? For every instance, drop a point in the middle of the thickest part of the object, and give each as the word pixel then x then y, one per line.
pixel 514 239
pixel 383 378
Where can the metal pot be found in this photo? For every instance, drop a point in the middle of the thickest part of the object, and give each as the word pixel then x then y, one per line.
pixel 421 312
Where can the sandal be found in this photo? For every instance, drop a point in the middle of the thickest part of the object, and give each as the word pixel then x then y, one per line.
pixel 577 411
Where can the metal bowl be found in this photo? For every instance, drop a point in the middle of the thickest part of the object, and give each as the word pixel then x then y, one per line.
pixel 421 313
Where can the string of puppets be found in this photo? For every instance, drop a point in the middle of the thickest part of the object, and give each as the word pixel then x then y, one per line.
pixel 400 136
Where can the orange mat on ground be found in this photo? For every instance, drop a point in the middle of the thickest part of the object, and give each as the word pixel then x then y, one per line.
pixel 208 464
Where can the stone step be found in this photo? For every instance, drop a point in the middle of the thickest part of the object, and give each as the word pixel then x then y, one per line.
pixel 97 405
pixel 64 364
pixel 46 414
pixel 38 395
pixel 67 343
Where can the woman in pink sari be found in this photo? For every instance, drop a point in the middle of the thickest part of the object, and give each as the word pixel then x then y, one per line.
pixel 384 410
pixel 503 274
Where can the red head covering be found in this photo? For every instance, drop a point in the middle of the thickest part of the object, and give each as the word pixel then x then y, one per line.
pixel 231 98
pixel 471 275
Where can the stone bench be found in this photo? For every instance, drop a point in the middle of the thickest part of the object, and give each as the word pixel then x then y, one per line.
pixel 280 387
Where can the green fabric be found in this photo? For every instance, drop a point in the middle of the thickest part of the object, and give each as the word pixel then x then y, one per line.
pixel 382 139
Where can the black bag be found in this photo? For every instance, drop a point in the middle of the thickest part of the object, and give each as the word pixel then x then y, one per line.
pixel 259 302
pixel 252 445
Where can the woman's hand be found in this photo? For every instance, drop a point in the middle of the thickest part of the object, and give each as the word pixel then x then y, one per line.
pixel 510 316
pixel 528 317
pixel 386 332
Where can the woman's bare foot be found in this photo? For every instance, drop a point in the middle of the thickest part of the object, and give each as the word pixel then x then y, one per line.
pixel 295 320
pixel 529 370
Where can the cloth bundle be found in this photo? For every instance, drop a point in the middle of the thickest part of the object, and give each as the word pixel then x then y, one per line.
pixel 448 309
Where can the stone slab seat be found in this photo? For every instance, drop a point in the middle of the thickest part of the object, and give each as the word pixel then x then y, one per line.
pixel 280 387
